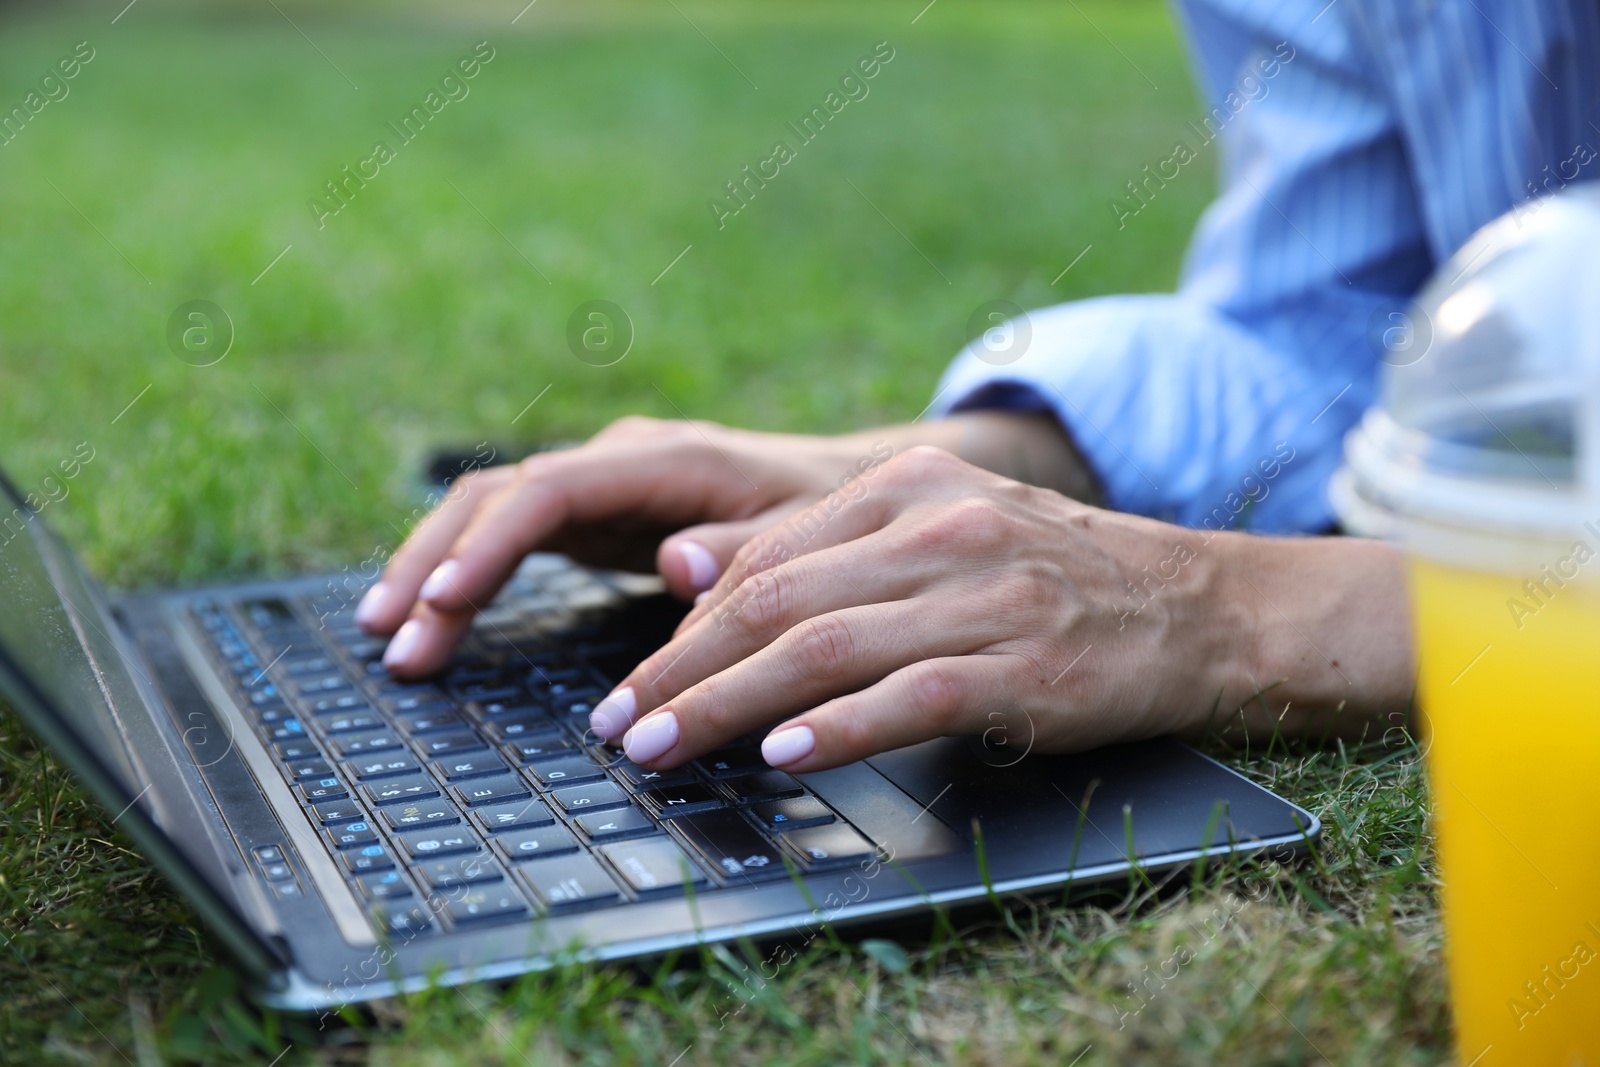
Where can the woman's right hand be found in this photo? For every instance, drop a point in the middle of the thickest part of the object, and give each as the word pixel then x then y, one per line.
pixel 691 493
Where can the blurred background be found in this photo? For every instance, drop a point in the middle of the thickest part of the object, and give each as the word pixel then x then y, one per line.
pixel 180 162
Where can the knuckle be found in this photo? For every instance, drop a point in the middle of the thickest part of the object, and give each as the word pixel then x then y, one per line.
pixel 934 692
pixel 764 602
pixel 823 647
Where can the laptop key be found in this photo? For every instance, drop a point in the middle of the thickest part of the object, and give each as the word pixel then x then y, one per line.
pixel 321 789
pixel 519 845
pixel 645 778
pixel 731 762
pixel 616 825
pixel 421 845
pixel 732 846
pixel 444 744
pixel 353 722
pixel 399 790
pixel 287 730
pixel 784 815
pixel 567 770
pixel 653 866
pixel 334 811
pixel 487 903
pixel 319 684
pixel 492 790
pixel 430 721
pixel 515 815
pixel 386 886
pixel 577 799
pixel 308 767
pixel 537 748
pixel 515 726
pixel 468 868
pixel 569 883
pixel 765 785
pixel 461 766
pixel 350 746
pixel 418 814
pixel 400 917
pixel 297 666
pixel 822 847
pixel 295 750
pixel 350 835
pixel 344 702
pixel 367 858
pixel 385 766
pixel 669 802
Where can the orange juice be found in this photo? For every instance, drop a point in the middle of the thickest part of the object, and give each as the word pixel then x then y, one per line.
pixel 1510 692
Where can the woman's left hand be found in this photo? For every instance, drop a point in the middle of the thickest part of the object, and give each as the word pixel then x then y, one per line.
pixel 933 598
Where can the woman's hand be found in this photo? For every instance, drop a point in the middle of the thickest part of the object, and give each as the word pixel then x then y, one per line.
pixel 941 599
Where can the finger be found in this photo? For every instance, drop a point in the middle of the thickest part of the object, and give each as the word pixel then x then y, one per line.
pixel 769 604
pixel 692 560
pixel 822 658
pixel 423 642
pixel 835 520
pixel 670 483
pixel 932 698
pixel 388 603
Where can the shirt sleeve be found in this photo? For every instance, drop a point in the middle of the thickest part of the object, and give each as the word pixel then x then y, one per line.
pixel 1225 405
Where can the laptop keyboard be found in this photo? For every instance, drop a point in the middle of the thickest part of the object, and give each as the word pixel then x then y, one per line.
pixel 480 795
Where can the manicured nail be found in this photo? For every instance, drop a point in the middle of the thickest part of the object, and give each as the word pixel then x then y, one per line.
pixel 614 714
pixel 703 566
pixel 403 644
pixel 371 604
pixel 788 746
pixel 651 736
pixel 441 581
pixel 701 595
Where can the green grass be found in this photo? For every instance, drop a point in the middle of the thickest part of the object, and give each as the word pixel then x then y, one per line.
pixel 179 167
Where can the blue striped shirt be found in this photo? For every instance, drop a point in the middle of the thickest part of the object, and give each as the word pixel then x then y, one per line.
pixel 1360 143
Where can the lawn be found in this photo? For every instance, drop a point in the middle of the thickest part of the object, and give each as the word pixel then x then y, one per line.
pixel 432 309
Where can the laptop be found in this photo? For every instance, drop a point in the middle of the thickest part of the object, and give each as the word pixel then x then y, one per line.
pixel 347 835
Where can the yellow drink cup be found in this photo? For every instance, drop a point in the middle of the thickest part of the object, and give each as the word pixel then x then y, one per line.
pixel 1482 463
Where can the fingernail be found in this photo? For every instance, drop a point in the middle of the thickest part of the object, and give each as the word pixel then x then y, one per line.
pixel 701 595
pixel 402 644
pixel 787 746
pixel 651 736
pixel 371 604
pixel 614 714
pixel 441 581
pixel 703 566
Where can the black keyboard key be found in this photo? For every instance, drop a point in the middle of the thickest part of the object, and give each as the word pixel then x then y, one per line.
pixel 273 716
pixel 569 882
pixel 485 903
pixel 334 811
pixel 732 846
pixel 517 815
pixel 490 710
pixel 331 704
pixel 350 835
pixel 415 815
pixel 731 762
pixel 296 750
pixel 430 722
pixel 400 697
pixel 268 854
pixel 301 666
pixel 367 858
pixel 492 790
pixel 353 746
pixel 321 789
pixel 516 726
pixel 398 918
pixel 576 799
pixel 519 845
pixel 446 744
pixel 352 722
pixel 566 770
pixel 671 801
pixel 822 847
pixel 277 872
pixel 389 885
pixel 653 866
pixel 419 845
pixel 386 765
pixel 400 790
pixel 539 748
pixel 487 691
pixel 765 785
pixel 617 824
pixel 308 767
pixel 315 685
pixel 286 730
pixel 462 766
pixel 467 868
pixel 644 778
pixel 791 814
